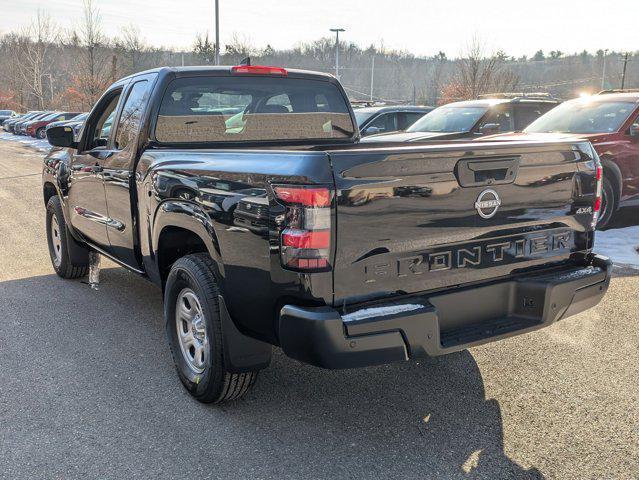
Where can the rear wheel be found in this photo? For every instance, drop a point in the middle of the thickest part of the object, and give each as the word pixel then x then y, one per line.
pixel 41 133
pixel 66 263
pixel 608 204
pixel 194 331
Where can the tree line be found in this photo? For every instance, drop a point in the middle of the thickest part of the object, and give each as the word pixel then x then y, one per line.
pixel 43 66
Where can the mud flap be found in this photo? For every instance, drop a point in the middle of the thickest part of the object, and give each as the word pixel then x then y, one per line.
pixel 78 254
pixel 241 353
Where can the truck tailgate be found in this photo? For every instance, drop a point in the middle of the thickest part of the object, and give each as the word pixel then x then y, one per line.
pixel 414 219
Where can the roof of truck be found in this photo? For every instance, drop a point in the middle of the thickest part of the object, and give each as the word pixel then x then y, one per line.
pixel 200 69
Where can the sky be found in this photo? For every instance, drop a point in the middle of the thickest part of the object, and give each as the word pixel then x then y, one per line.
pixel 420 27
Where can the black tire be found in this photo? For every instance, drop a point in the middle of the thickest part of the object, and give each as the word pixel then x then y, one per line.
pixel 67 264
pixel 41 133
pixel 608 204
pixel 213 383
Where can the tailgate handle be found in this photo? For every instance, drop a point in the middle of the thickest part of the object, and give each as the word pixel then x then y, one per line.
pixel 476 173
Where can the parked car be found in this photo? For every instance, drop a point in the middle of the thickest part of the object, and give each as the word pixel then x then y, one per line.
pixel 23 128
pixel 373 120
pixel 6 115
pixel 75 123
pixel 610 121
pixel 474 118
pixel 9 125
pixel 37 128
pixel 429 258
pixel 20 127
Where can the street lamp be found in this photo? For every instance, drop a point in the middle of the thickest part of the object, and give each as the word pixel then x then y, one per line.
pixel 337 30
pixel 217 32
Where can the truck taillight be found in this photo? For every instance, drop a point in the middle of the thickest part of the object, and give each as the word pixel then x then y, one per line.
pixel 598 193
pixel 306 239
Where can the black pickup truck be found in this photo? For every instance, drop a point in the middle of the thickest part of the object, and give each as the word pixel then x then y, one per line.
pixel 243 192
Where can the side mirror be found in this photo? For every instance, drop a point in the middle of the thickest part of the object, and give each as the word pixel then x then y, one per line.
pixel 372 131
pixel 61 137
pixel 634 130
pixel 489 128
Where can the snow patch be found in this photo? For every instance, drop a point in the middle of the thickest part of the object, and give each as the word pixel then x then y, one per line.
pixel 38 144
pixel 620 245
pixel 380 312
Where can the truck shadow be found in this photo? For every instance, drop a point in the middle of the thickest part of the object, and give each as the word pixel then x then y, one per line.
pixel 427 419
pixel 430 416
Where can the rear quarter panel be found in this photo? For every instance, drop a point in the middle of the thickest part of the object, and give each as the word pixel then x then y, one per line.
pixel 214 188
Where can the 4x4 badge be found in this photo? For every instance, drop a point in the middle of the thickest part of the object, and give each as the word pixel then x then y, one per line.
pixel 487 203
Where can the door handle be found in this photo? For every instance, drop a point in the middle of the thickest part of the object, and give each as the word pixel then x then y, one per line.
pixel 89 169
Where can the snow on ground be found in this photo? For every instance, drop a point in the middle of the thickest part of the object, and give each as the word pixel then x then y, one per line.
pixel 41 145
pixel 620 244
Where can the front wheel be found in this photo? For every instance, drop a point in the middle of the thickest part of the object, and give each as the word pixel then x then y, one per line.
pixel 194 331
pixel 41 133
pixel 608 204
pixel 69 259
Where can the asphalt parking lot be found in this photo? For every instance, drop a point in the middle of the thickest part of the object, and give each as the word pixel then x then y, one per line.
pixel 88 390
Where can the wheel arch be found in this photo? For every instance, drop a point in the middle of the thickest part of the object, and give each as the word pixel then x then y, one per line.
pixel 48 190
pixel 180 229
pixel 612 171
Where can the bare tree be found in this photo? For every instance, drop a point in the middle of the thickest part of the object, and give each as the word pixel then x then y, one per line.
pixel 132 47
pixel 477 73
pixel 32 58
pixel 240 46
pixel 92 66
pixel 204 49
pixel 435 77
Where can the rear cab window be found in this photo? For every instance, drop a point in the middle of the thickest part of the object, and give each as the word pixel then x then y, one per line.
pixel 212 109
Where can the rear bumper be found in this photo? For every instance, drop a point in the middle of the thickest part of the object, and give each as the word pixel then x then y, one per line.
pixel 421 326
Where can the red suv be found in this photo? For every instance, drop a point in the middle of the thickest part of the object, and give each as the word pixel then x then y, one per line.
pixel 610 121
pixel 38 128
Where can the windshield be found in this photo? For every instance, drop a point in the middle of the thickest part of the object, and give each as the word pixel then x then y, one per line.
pixel 50 116
pixel 583 116
pixel 39 116
pixel 6 112
pixel 255 108
pixel 362 116
pixel 449 119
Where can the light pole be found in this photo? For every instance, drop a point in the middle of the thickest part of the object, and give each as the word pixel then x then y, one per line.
pixel 623 75
pixel 217 32
pixel 337 30
pixel 603 74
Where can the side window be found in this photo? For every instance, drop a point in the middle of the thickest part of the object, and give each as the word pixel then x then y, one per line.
pixel 99 130
pixel 386 122
pixel 500 116
pixel 526 114
pixel 131 116
pixel 405 120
